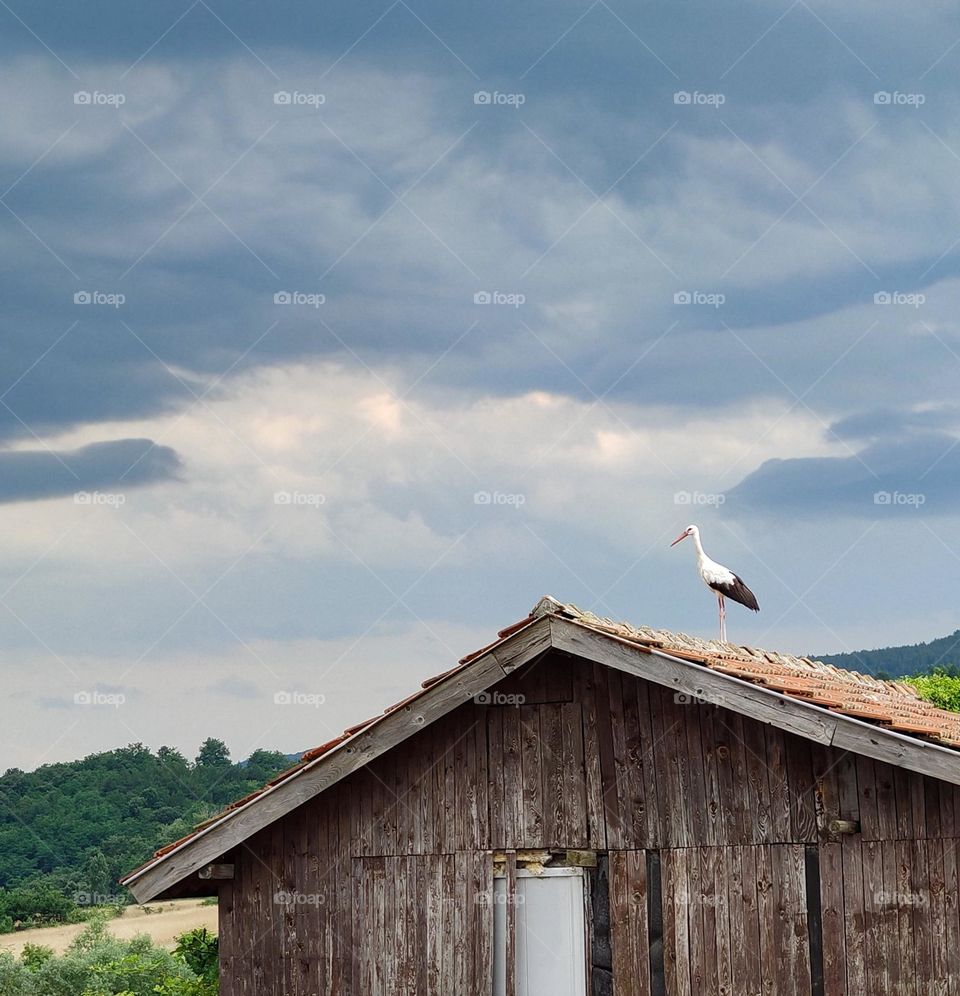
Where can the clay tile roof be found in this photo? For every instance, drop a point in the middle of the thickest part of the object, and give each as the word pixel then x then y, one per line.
pixel 893 705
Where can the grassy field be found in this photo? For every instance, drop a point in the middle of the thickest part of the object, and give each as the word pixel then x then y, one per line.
pixel 163 924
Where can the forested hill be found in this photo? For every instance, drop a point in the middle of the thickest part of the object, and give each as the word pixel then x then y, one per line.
pixel 84 823
pixel 893 662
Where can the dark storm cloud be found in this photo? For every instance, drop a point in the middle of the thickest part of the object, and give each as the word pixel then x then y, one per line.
pixel 918 473
pixel 115 465
pixel 509 199
pixel 894 423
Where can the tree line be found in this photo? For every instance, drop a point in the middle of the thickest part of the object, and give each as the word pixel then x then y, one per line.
pixel 68 831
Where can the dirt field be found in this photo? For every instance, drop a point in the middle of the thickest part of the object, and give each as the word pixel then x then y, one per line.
pixel 163 925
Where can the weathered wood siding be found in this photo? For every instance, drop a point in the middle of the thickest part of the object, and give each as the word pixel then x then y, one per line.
pixel 382 885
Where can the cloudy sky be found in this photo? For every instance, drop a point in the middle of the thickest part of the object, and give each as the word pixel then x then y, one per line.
pixel 334 335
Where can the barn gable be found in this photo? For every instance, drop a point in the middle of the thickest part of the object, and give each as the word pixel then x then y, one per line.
pixel 882 721
pixel 714 854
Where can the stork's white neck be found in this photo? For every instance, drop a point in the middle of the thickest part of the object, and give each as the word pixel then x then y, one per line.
pixel 695 536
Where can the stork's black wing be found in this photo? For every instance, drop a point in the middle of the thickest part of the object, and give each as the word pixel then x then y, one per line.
pixel 737 591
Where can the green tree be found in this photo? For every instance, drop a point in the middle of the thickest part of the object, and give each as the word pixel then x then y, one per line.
pixel 213 754
pixel 95 878
pixel 79 826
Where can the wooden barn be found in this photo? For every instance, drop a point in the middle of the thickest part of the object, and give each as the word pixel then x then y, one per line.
pixel 585 807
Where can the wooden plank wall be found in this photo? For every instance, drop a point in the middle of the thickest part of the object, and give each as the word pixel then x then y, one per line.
pixel 735 921
pixel 891 919
pixel 568 754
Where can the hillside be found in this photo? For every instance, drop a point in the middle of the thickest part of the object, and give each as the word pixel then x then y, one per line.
pixel 81 824
pixel 893 662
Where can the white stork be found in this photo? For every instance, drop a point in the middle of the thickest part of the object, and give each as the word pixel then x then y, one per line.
pixel 720 580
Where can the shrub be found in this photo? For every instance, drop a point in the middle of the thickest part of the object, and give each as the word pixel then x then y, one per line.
pixel 35 903
pixel 138 973
pixel 34 955
pixel 939 687
pixel 98 964
pixel 199 950
pixel 188 987
pixel 15 979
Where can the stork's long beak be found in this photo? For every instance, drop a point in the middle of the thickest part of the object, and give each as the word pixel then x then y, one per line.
pixel 683 535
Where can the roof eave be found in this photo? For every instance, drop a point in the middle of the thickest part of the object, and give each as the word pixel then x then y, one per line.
pixel 363 746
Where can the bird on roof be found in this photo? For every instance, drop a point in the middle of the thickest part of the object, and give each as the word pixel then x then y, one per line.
pixel 720 580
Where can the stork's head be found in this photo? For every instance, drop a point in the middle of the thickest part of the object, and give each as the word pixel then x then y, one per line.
pixel 689 531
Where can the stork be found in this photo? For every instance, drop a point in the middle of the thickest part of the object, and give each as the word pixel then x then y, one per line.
pixel 720 580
